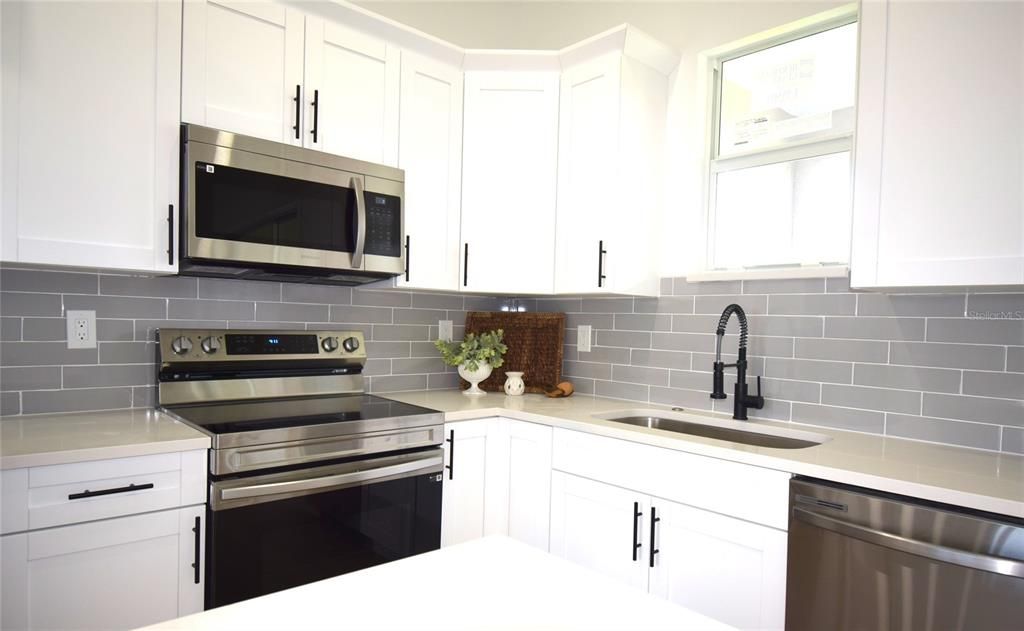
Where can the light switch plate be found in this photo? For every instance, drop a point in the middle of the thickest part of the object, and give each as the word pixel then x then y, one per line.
pixel 81 326
pixel 583 338
pixel 444 330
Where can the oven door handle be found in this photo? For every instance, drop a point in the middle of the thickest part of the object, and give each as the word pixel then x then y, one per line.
pixel 942 554
pixel 403 469
pixel 357 255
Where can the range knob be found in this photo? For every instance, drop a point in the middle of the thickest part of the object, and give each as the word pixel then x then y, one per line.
pixel 181 345
pixel 350 344
pixel 210 345
pixel 330 344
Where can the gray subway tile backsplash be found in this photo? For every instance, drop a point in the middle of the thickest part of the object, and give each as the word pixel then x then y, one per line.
pixel 938 367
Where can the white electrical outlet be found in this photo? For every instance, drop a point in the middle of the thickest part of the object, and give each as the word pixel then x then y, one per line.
pixel 81 329
pixel 444 330
pixel 583 338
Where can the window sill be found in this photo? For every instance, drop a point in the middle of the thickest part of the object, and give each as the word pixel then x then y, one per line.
pixel 771 273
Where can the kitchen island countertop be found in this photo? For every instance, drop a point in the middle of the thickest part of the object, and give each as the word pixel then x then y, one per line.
pixel 489 583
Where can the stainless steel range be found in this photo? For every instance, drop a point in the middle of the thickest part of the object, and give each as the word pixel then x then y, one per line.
pixel 309 476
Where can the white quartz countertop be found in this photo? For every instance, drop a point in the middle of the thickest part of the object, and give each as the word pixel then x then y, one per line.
pixel 490 583
pixel 973 478
pixel 47 439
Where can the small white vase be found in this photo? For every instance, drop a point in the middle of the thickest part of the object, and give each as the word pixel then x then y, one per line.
pixel 514 385
pixel 474 377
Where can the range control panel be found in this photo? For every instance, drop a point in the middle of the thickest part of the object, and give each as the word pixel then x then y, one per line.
pixel 211 345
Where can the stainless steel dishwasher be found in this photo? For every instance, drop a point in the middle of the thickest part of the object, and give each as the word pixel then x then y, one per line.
pixel 865 560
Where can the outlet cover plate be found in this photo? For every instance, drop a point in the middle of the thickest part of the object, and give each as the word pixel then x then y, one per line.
pixel 583 338
pixel 81 329
pixel 445 330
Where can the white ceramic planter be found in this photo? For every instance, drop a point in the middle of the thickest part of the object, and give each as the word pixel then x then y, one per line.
pixel 474 377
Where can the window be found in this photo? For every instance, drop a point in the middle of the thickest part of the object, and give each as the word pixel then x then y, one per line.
pixel 783 114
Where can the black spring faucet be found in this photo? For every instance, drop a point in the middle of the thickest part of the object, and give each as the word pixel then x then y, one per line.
pixel 741 400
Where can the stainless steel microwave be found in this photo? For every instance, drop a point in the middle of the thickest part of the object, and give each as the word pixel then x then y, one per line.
pixel 253 208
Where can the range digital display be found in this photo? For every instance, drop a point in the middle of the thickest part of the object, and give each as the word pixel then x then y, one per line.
pixel 260 344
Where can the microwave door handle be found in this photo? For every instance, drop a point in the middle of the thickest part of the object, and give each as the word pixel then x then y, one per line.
pixel 357 256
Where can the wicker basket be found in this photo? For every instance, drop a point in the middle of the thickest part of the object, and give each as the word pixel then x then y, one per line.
pixel 534 343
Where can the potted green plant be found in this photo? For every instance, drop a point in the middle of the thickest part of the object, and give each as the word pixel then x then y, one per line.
pixel 475 356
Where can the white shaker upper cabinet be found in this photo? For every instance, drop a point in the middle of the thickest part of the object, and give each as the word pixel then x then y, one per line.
pixel 351 93
pixel 508 182
pixel 90 133
pixel 939 156
pixel 430 152
pixel 610 152
pixel 242 68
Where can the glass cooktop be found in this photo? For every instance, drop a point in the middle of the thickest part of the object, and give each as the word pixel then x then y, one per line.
pixel 249 416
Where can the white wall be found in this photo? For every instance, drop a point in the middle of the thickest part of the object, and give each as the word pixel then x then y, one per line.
pixel 690 27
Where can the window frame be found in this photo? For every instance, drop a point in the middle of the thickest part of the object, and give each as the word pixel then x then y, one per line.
pixel 713 165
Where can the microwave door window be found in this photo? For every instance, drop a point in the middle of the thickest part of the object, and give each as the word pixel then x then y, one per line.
pixel 248 206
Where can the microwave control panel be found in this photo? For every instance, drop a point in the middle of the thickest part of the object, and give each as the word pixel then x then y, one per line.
pixel 383 224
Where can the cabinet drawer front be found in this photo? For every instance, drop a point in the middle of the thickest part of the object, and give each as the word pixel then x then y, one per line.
pixel 739 490
pixel 86 491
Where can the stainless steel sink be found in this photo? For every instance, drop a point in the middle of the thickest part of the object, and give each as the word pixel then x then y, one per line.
pixel 724 429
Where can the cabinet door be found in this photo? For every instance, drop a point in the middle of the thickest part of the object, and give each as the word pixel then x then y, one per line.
pixel 519 500
pixel 90 166
pixel 241 67
pixel 430 151
pixel 725 568
pixel 112 574
pixel 598 526
pixel 587 187
pixel 351 84
pixel 509 176
pixel 940 145
pixel 465 481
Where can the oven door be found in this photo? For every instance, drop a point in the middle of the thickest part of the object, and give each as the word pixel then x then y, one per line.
pixel 253 209
pixel 272 532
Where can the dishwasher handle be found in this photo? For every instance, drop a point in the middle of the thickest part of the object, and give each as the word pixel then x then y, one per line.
pixel 973 560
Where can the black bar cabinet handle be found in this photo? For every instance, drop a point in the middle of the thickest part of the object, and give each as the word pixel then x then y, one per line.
pixel 316 113
pixel 121 489
pixel 600 263
pixel 654 521
pixel 407 258
pixel 298 109
pixel 195 565
pixel 465 266
pixel 451 455
pixel 636 529
pixel 170 234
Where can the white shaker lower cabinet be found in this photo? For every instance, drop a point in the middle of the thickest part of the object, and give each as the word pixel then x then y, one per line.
pixel 718 547
pixel 242 68
pixel 497 481
pixel 727 569
pixel 107 544
pixel 509 173
pixel 90 133
pixel 465 480
pixel 599 526
pixel 939 156
pixel 112 574
pixel 430 152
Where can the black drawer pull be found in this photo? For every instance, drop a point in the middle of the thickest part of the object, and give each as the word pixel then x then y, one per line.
pixel 195 565
pixel 451 455
pixel 121 489
pixel 636 527
pixel 654 522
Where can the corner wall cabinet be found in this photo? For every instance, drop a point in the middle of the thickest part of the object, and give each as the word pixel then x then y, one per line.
pixel 510 153
pixel 939 153
pixel 73 558
pixel 90 133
